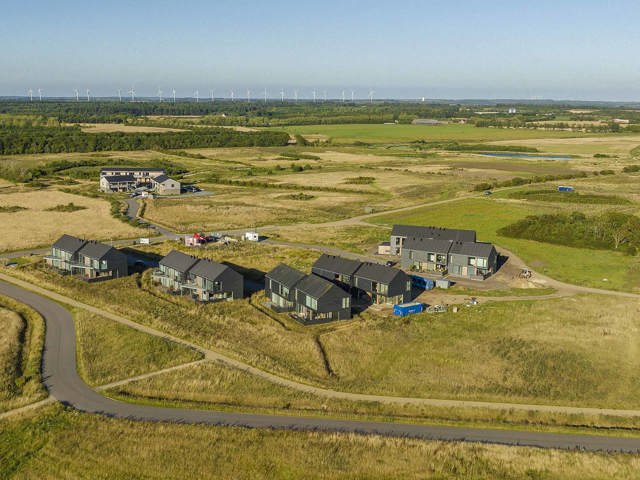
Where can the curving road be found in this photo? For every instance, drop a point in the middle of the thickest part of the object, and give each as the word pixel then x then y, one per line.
pixel 65 385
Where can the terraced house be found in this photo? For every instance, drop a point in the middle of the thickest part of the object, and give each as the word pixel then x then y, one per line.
pixel 310 298
pixel 380 283
pixel 125 179
pixel 88 259
pixel 473 260
pixel 201 279
pixel 400 233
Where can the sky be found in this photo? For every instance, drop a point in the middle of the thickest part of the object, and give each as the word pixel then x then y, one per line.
pixel 542 49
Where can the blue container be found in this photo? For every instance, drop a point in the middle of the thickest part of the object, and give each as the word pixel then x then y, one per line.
pixel 564 188
pixel 422 283
pixel 404 309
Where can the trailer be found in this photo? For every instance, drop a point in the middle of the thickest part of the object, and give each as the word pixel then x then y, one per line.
pixel 444 284
pixel 565 188
pixel 404 309
pixel 422 283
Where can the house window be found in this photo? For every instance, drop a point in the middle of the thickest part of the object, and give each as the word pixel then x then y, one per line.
pixel 410 254
pixel 482 262
pixel 383 288
pixel 431 257
pixel 346 302
pixel 408 288
pixel 312 303
pixel 472 261
pixel 441 258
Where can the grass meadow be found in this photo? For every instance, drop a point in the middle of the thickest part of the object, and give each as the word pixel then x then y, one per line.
pixel 108 351
pixel 21 343
pixel 65 444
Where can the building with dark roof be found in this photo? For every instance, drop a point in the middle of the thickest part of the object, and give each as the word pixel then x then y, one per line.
pixel 126 179
pixel 382 284
pixel 88 259
pixel 400 233
pixel 336 269
pixel 163 185
pixel 310 298
pixel 117 183
pixel 202 279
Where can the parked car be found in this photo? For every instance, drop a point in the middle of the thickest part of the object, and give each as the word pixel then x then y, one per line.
pixel 487 192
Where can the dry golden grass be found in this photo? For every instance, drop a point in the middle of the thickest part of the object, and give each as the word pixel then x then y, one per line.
pixel 232 208
pixel 612 144
pixel 115 127
pixel 58 444
pixel 11 329
pixel 37 227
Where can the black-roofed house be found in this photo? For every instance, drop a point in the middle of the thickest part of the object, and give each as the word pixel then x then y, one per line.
pixel 336 269
pixel 279 286
pixel 383 284
pixel 174 270
pixel 317 300
pixel 163 185
pixel 88 259
pixel 400 233
pixel 141 175
pixel 211 281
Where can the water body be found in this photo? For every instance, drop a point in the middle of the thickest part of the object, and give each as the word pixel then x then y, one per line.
pixel 528 156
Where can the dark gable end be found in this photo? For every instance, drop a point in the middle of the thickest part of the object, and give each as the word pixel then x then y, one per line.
pixel 178 261
pixel 210 270
pixel 378 273
pixel 95 250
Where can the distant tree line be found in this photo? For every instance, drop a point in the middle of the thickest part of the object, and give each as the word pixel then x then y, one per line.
pixel 607 231
pixel 21 140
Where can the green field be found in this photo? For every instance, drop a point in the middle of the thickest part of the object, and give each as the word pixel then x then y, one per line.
pixel 64 444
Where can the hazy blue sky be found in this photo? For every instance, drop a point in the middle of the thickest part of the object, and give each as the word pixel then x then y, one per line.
pixel 440 49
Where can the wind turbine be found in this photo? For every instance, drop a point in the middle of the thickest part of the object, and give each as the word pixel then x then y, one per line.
pixel 211 94
pixel 119 95
pixel 88 95
pixel 314 96
pixel 40 94
pixel 295 96
pixel 75 90
pixel 30 92
pixel 160 95
pixel 371 92
pixel 196 95
pixel 352 95
pixel 231 94
pixel 132 92
pixel 265 95
pixel 325 95
pixel 282 95
pixel 248 96
pixel 173 92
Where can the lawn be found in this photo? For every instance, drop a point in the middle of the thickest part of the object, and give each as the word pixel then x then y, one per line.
pixel 108 351
pixel 378 133
pixel 36 225
pixel 354 238
pixel 572 265
pixel 57 444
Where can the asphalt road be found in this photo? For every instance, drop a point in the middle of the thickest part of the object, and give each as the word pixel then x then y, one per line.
pixel 64 384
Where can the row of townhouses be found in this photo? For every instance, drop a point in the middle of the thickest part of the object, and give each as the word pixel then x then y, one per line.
pixel 121 179
pixel 443 251
pixel 202 279
pixel 87 259
pixel 326 294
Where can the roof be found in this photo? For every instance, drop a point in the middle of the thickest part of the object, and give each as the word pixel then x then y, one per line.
pixel 161 178
pixel 434 232
pixel 472 249
pixel 119 178
pixel 285 275
pixel 130 169
pixel 333 263
pixel 378 273
pixel 208 269
pixel 317 287
pixel 178 261
pixel 95 250
pixel 68 243
pixel 431 245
